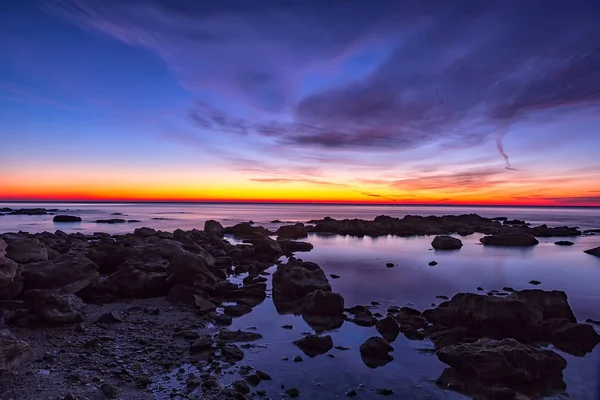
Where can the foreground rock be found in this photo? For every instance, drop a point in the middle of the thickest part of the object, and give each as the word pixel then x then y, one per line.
pixel 509 240
pixel 55 307
pixel 10 275
pixel 213 227
pixel 595 251
pixel 487 366
pixel 26 250
pixel 313 345
pixel 13 352
pixel 445 242
pixel 388 328
pixel 70 273
pixel 529 316
pixel 323 310
pixel 297 231
pixel 374 352
pixel 294 281
pixel 66 218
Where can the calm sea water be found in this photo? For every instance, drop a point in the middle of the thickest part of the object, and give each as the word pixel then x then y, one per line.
pixel 364 278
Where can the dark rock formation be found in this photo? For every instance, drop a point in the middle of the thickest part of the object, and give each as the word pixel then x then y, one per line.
pixel 323 310
pixel 55 307
pixel 445 242
pixel 374 352
pixel 26 250
pixel 297 231
pixel 564 243
pixel 313 345
pixel 388 328
pixel 66 218
pixel 509 240
pixel 553 303
pixel 362 316
pixel 294 280
pixel 488 364
pixel 13 352
pixel 213 227
pixel 111 221
pixel 595 251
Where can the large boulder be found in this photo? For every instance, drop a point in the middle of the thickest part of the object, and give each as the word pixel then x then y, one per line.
pixel 135 279
pixel 445 242
pixel 323 310
pixel 553 303
pixel 185 267
pixel 55 307
pixel 13 352
pixel 266 245
pixel 67 272
pixel 388 328
pixel 296 279
pixel 577 339
pixel 507 364
pixel 297 231
pixel 213 227
pixel 313 345
pixel 292 246
pixel 26 250
pixel 375 352
pixel 11 282
pixel 509 240
pixel 490 316
pixel 594 252
pixel 246 230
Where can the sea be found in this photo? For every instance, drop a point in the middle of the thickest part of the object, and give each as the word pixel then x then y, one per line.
pixel 364 278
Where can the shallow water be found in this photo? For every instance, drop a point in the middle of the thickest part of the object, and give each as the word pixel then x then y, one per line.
pixel 364 278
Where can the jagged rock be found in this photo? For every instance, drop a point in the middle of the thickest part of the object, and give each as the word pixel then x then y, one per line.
pixel 213 227
pixel 509 240
pixel 66 218
pixel 292 246
pixel 266 245
pixel 238 336
pixel 55 307
pixel 313 345
pixel 296 279
pixel 374 352
pixel 11 282
pixel 362 316
pixel 27 250
pixel 292 231
pixel 201 344
pixel 145 232
pixel 69 273
pixel 139 279
pixel 577 339
pixel 232 353
pixel 388 328
pixel 553 303
pixel 237 310
pixel 13 352
pixel 595 251
pixel 203 305
pixel 445 242
pixel 509 364
pixel 245 229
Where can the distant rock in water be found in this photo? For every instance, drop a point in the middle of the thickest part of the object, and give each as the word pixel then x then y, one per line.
pixel 375 352
pixel 595 251
pixel 66 218
pixel 30 211
pixel 445 242
pixel 509 240
pixel 111 221
pixel 564 243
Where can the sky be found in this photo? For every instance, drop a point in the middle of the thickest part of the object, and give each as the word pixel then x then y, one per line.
pixel 415 101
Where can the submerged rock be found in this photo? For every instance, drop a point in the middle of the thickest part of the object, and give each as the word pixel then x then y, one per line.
pixel 111 221
pixel 445 242
pixel 374 352
pixel 564 243
pixel 66 218
pixel 507 364
pixel 313 345
pixel 509 240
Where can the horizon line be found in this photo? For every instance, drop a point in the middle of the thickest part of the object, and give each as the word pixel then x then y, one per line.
pixel 338 203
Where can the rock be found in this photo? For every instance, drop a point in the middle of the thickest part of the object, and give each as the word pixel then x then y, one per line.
pixel 388 328
pixel 54 307
pixel 69 273
pixel 137 279
pixel 384 391
pixel 362 316
pixel 201 344
pixel 509 364
pixel 313 345
pixel 595 251
pixel 13 352
pixel 298 359
pixel 553 303
pixel 576 339
pixel 204 305
pixel 264 376
pixel 351 393
pixel 292 392
pixel 509 240
pixel 534 282
pixel 296 279
pixel 238 336
pixel 220 319
pixel 564 243
pixel 109 391
pixel 494 317
pixel 213 227
pixel 111 221
pixel 292 246
pixel 246 230
pixel 232 353
pixel 266 245
pixel 334 276
pixel 323 310
pixel 433 263
pixel 145 232
pixel 374 352
pixel 11 282
pixel 29 211
pixel 292 232
pixel 237 310
pixel 66 218
pixel 445 242
pixel 27 250
pixel 390 265
pixel 288 327
pixel 109 318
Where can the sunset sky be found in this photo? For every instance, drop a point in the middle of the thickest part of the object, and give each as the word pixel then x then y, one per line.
pixel 460 102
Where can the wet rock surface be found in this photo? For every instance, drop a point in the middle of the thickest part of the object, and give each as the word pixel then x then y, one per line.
pixel 313 345
pixel 445 242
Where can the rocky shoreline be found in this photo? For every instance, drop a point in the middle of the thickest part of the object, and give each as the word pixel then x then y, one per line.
pixel 110 315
